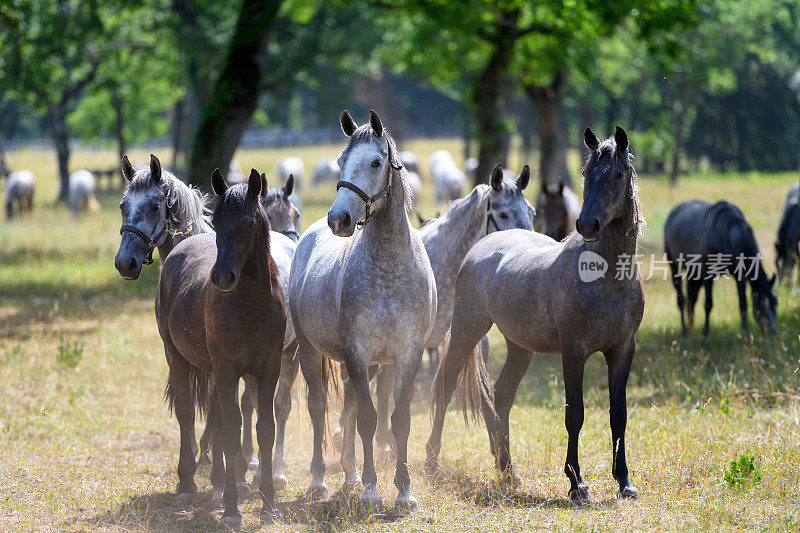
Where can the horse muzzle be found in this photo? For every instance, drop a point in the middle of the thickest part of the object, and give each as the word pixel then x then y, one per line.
pixel 128 267
pixel 589 227
pixel 224 281
pixel 341 223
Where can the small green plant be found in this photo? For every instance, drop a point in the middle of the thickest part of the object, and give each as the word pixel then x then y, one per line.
pixel 70 353
pixel 13 354
pixel 742 473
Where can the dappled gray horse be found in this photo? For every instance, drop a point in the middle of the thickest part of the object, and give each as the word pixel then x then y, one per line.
pixel 558 208
pixel 704 241
pixel 447 239
pixel 362 292
pixel 221 314
pixel 19 190
pixel 81 192
pixel 534 290
pixel 787 245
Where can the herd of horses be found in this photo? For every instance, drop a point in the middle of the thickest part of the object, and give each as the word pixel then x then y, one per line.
pixel 243 295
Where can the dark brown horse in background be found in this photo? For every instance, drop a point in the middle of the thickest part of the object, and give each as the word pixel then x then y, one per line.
pixel 220 312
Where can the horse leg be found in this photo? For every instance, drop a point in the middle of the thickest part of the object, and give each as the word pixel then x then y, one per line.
pixel 230 433
pixel 573 362
pixel 283 406
pixel 179 378
pixel 358 372
pixel 692 291
pixel 505 391
pixel 311 365
pixel 404 374
pixel 464 337
pixel 383 388
pixel 433 358
pixel 217 455
pixel 205 444
pixel 348 425
pixel 741 288
pixel 709 283
pixel 247 429
pixel 338 433
pixel 619 361
pixel 677 282
pixel 265 433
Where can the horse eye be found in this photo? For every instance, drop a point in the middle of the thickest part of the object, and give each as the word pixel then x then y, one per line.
pixel 251 222
pixel 376 163
pixel 503 215
pixel 620 175
pixel 154 208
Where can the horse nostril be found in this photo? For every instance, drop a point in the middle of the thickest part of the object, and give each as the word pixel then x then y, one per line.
pixel 132 264
pixel 231 279
pixel 346 220
pixel 595 226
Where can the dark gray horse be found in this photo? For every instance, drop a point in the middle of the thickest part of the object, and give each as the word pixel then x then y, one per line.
pixel 558 208
pixel 786 246
pixel 221 314
pixel 704 241
pixel 362 292
pixel 537 292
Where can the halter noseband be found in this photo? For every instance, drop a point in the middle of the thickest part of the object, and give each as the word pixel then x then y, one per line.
pixel 490 217
pixel 369 200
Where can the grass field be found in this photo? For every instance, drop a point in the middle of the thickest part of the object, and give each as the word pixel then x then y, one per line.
pixel 86 441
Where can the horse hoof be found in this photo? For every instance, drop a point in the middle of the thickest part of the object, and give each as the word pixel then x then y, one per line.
pixel 406 503
pixel 628 493
pixel 243 489
pixel 217 497
pixel 280 482
pixel 318 492
pixel 184 499
pixel 581 494
pixel 370 499
pixel 269 516
pixel 231 522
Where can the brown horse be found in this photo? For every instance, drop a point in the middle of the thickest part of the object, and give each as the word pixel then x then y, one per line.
pixel 543 298
pixel 221 314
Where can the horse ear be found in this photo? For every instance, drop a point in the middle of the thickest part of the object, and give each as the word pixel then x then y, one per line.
pixel 621 138
pixel 348 124
pixel 375 123
pixel 155 168
pixel 218 184
pixel 254 183
pixel 264 184
pixel 590 139
pixel 524 178
pixel 288 187
pixel 127 168
pixel 497 177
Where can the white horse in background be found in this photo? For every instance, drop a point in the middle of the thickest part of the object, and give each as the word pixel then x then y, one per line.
pixel 81 192
pixel 19 190
pixel 326 171
pixel 292 165
pixel 449 181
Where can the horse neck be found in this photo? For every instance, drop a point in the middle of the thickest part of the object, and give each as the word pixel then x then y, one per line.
pixel 389 229
pixel 257 270
pixel 618 242
pixel 186 225
pixel 459 229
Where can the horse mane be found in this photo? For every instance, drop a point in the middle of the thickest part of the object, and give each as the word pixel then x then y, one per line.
pixel 187 204
pixel 364 134
pixel 625 164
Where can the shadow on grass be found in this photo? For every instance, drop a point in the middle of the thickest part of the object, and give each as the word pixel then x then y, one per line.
pixel 499 494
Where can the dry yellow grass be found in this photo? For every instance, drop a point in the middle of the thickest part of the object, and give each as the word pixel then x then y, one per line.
pixel 92 447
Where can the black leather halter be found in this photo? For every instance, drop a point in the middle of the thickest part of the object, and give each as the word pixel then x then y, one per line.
pixel 369 200
pixel 151 243
pixel 490 218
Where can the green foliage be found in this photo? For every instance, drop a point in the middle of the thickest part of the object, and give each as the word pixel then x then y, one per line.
pixel 70 353
pixel 742 473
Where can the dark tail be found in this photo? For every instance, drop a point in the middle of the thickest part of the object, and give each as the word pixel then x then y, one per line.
pixel 200 385
pixel 473 384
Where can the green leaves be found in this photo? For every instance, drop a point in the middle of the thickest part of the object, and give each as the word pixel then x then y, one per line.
pixel 742 473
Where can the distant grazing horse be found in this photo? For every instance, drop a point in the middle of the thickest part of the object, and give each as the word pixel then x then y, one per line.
pixel 409 160
pixel 786 246
pixel 447 239
pixel 81 192
pixel 415 186
pixel 558 207
pixel 534 290
pixel 449 181
pixel 704 241
pixel 471 167
pixel 19 190
pixel 220 311
pixel 362 292
pixel 326 171
pixel 291 166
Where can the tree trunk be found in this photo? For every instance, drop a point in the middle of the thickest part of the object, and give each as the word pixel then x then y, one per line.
pixel 177 132
pixel 61 141
pixel 236 92
pixel 119 126
pixel 485 98
pixel 680 120
pixel 549 103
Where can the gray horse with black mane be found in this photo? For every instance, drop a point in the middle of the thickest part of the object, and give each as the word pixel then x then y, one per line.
pixel 362 292
pixel 535 291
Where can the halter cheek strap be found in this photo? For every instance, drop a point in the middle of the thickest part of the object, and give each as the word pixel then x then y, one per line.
pixel 490 218
pixel 151 243
pixel 369 200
